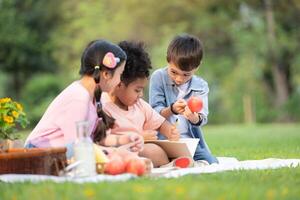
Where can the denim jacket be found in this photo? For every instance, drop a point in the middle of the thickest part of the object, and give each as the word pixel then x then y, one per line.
pixel 163 92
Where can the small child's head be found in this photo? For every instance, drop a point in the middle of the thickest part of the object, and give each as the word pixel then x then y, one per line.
pixel 136 73
pixel 184 56
pixel 104 62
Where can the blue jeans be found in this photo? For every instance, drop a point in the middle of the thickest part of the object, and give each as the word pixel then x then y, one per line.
pixel 204 154
pixel 202 151
pixel 29 146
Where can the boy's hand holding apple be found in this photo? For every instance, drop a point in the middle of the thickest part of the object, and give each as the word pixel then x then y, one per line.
pixel 178 106
pixel 194 105
pixel 193 117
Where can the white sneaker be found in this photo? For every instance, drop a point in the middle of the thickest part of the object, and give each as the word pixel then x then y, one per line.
pixel 200 163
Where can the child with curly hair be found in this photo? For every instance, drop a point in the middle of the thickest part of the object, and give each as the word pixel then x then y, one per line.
pixel 132 113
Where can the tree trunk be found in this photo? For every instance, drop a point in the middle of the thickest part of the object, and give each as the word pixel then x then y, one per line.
pixel 279 70
pixel 17 83
pixel 249 111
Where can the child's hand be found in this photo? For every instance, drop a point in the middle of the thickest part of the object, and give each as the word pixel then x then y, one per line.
pixel 124 152
pixel 149 135
pixel 174 134
pixel 135 142
pixel 138 141
pixel 191 116
pixel 179 106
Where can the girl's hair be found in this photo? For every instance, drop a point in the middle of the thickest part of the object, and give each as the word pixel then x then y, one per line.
pixel 138 63
pixel 91 64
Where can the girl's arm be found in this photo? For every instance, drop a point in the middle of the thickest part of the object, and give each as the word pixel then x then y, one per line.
pixel 134 141
pixel 149 134
pixel 169 131
pixel 112 140
pixel 166 112
pixel 75 111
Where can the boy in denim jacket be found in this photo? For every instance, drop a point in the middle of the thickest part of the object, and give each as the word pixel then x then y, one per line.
pixel 172 86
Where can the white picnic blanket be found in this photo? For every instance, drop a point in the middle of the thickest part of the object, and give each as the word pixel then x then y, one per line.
pixel 12 178
pixel 228 164
pixel 225 164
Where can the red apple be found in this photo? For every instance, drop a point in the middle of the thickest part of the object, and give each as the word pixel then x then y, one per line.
pixel 195 104
pixel 128 157
pixel 136 166
pixel 115 166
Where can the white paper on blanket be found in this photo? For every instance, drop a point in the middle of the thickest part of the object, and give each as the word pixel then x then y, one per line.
pixel 174 149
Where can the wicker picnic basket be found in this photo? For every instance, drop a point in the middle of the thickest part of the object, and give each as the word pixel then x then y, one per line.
pixel 48 161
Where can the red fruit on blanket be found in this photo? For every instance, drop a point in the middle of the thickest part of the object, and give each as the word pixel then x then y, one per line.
pixel 115 166
pixel 136 166
pixel 128 157
pixel 195 104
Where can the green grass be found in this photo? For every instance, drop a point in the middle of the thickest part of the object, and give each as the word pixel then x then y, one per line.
pixel 243 142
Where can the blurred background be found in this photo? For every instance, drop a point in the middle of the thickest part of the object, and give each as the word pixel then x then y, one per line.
pixel 251 62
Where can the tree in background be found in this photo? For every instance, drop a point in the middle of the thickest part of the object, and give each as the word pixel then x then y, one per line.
pixel 25 39
pixel 283 29
pixel 252 52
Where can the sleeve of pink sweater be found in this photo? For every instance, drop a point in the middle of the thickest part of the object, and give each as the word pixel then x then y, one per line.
pixel 74 111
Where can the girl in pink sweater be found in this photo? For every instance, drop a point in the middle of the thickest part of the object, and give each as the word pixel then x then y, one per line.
pixel 101 66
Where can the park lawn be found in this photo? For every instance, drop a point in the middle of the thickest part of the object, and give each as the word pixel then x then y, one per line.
pixel 241 141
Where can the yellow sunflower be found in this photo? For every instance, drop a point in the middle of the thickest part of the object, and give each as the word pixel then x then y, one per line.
pixel 8 119
pixel 15 114
pixel 19 107
pixel 5 100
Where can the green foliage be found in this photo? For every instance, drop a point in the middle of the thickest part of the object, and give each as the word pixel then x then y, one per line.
pixel 293 105
pixel 3 80
pixel 39 92
pixel 51 35
pixel 25 38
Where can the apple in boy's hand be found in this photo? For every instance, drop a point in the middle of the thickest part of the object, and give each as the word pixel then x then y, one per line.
pixel 195 104
pixel 136 166
pixel 115 166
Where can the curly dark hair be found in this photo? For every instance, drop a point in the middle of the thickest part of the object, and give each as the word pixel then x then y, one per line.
pixel 138 63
